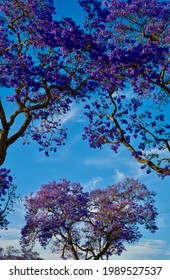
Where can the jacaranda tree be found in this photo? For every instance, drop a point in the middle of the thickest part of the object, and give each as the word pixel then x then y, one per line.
pixel 40 66
pixel 93 225
pixel 131 108
pixel 120 56
pixel 7 196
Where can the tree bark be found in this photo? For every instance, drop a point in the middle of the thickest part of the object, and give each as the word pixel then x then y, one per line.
pixel 3 146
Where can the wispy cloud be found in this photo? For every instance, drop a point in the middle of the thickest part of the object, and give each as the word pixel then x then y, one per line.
pixel 161 223
pixel 11 242
pixel 70 115
pixel 11 233
pixel 73 113
pixel 157 151
pixel 145 250
pixel 128 92
pixel 134 169
pixel 19 209
pixel 92 184
pixel 119 176
pixel 10 237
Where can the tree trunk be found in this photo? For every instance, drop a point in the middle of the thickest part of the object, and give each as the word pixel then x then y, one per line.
pixel 3 147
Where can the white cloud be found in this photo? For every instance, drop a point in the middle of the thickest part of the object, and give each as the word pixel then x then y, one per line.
pixel 10 234
pixel 10 237
pixel 135 170
pixel 128 92
pixel 146 250
pixel 157 151
pixel 46 254
pixel 92 183
pixel 19 209
pixel 63 119
pixel 11 242
pixel 161 223
pixel 119 176
pixel 70 115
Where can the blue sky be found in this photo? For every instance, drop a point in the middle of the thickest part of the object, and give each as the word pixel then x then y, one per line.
pixel 92 168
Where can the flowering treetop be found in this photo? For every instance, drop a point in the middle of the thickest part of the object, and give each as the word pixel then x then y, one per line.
pixel 120 56
pixel 93 225
pixel 133 79
pixel 40 65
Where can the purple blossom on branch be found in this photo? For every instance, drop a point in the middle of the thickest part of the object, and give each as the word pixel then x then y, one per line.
pixel 135 37
pixel 123 47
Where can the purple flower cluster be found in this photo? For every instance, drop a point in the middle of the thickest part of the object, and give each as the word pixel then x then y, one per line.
pixel 135 37
pixel 42 61
pixel 123 47
pixel 121 122
pixel 92 225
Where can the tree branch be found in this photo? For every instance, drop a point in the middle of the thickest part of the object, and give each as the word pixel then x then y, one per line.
pixel 128 145
pixel 3 117
pixel 162 85
pixel 70 242
pixel 22 129
pixel 155 138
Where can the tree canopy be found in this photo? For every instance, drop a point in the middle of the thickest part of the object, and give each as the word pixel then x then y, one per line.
pixel 39 61
pixel 88 225
pixel 133 75
pixel 120 57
